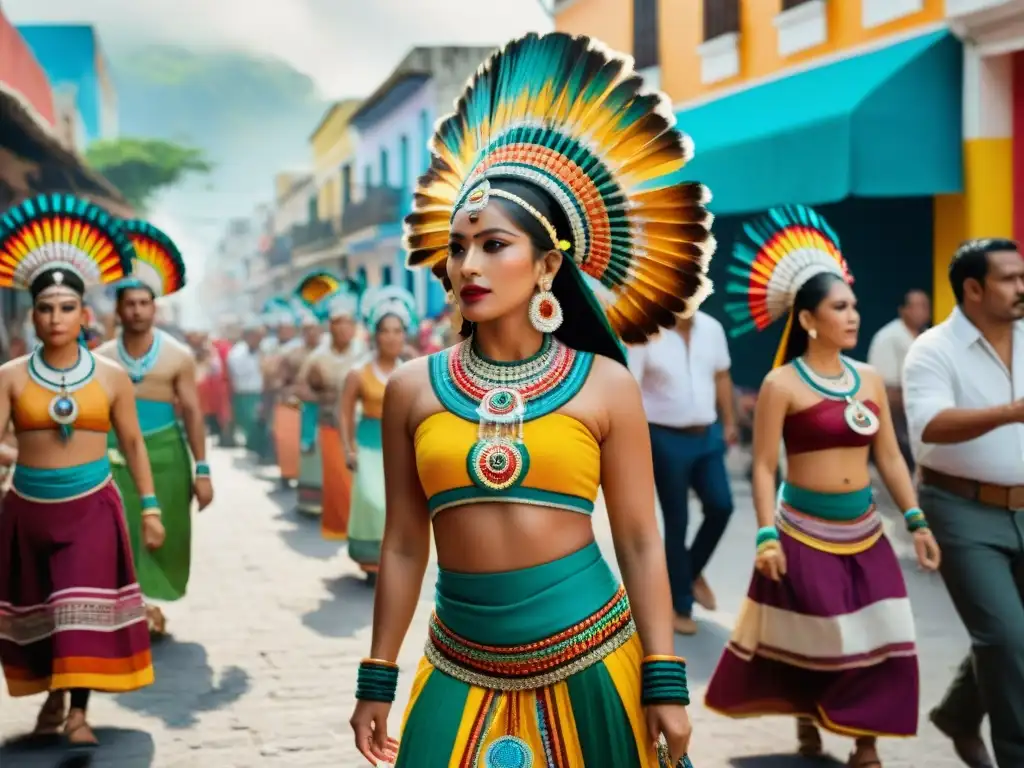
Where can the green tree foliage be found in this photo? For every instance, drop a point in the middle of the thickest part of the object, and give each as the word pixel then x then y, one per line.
pixel 142 167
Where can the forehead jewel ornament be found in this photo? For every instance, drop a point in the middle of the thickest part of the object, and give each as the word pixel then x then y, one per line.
pixel 478 199
pixel 58 277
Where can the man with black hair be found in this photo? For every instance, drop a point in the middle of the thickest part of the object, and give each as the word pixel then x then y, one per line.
pixel 963 386
pixel 888 351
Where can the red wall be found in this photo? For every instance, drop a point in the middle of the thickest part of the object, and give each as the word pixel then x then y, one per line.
pixel 20 71
pixel 1018 146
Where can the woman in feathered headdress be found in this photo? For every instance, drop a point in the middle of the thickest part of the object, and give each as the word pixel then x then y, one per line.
pixel 342 348
pixel 62 536
pixel 390 315
pixel 552 212
pixel 164 373
pixel 826 632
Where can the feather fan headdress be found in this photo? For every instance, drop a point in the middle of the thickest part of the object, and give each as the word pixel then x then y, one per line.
pixel 317 286
pixel 775 255
pixel 389 300
pixel 568 116
pixel 59 241
pixel 158 264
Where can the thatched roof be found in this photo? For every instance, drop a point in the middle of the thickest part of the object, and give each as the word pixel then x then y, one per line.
pixel 33 160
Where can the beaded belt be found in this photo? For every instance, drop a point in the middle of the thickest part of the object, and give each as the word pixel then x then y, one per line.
pixel 537 664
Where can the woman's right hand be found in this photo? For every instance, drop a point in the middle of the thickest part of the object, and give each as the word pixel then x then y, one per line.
pixel 351 461
pixel 370 726
pixel 771 562
pixel 152 532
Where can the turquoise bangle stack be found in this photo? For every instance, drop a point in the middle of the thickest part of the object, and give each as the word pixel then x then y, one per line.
pixel 663 681
pixel 202 469
pixel 149 501
pixel 377 680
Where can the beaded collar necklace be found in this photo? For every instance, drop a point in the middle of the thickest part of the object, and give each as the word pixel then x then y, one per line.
pixel 843 387
pixel 63 408
pixel 500 397
pixel 139 367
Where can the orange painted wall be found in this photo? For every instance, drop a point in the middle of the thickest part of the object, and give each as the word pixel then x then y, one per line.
pixel 681 27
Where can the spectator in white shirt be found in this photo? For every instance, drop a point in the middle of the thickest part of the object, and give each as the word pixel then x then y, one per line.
pixel 688 399
pixel 888 350
pixel 963 384
pixel 246 375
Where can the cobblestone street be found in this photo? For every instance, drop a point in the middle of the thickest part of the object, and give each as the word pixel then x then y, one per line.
pixel 260 667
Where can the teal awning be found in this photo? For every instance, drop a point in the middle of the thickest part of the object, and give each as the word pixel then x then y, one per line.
pixel 883 124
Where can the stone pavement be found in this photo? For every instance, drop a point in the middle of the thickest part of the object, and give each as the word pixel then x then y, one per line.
pixel 260 668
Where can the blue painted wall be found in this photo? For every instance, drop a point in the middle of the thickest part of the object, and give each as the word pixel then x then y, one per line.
pixel 68 54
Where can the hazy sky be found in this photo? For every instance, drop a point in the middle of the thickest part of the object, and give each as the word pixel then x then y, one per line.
pixel 347 46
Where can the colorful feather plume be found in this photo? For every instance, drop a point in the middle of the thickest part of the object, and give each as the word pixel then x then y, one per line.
pixel 317 286
pixel 567 115
pixel 158 264
pixel 59 230
pixel 775 256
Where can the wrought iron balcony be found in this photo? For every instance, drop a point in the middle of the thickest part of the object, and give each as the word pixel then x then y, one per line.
pixel 380 205
pixel 314 235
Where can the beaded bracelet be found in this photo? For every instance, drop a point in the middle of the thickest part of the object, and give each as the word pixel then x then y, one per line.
pixel 767 538
pixel 377 680
pixel 202 469
pixel 150 506
pixel 915 519
pixel 663 680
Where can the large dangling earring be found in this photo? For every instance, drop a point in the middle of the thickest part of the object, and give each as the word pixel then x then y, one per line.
pixel 545 311
pixel 813 333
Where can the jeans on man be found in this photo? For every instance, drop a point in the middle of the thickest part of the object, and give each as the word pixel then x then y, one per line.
pixel 684 460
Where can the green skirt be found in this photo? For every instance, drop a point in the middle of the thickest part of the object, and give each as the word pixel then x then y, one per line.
pixel 246 407
pixel 163 573
pixel 366 517
pixel 311 469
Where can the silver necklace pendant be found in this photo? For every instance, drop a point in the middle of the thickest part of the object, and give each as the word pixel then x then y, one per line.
pixel 860 418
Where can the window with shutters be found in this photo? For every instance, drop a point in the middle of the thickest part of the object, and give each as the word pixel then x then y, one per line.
pixel 645 34
pixel 721 17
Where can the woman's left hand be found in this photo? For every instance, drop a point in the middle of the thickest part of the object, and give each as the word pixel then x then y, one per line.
pixel 673 722
pixel 929 556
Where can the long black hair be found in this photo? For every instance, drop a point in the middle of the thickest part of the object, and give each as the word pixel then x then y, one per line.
pixel 809 297
pixel 584 327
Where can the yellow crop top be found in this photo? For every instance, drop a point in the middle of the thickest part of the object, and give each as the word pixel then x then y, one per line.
pixel 31 410
pixel 556 464
pixel 371 393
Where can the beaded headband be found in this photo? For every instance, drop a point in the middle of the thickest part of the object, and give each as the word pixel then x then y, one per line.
pixel 480 196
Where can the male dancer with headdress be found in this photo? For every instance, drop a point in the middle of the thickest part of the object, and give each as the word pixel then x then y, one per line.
pixel 324 375
pixel 164 373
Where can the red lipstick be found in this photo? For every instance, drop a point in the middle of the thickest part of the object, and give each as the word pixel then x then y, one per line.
pixel 471 294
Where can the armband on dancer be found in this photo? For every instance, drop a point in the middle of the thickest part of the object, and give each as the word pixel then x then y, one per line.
pixel 767 538
pixel 915 519
pixel 663 681
pixel 377 680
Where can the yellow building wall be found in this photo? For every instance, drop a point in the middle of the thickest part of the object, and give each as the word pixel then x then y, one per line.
pixel 332 145
pixel 681 24
pixel 983 209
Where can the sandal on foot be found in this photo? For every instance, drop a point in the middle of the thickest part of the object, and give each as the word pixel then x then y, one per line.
pixel 808 739
pixel 85 745
pixel 51 718
pixel 156 620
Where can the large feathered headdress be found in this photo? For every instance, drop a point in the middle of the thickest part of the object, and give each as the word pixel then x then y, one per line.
pixel 775 255
pixel 59 241
pixel 565 114
pixel 389 300
pixel 317 286
pixel 158 264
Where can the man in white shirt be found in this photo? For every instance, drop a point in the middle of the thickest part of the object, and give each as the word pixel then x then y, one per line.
pixel 246 375
pixel 688 398
pixel 962 384
pixel 888 350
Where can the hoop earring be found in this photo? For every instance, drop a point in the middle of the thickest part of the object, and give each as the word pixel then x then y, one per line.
pixel 812 333
pixel 545 311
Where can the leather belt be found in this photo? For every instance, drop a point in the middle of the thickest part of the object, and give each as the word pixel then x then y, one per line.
pixel 991 494
pixel 701 429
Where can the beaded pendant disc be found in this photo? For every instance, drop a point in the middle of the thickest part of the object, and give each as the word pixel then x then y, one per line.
pixel 509 752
